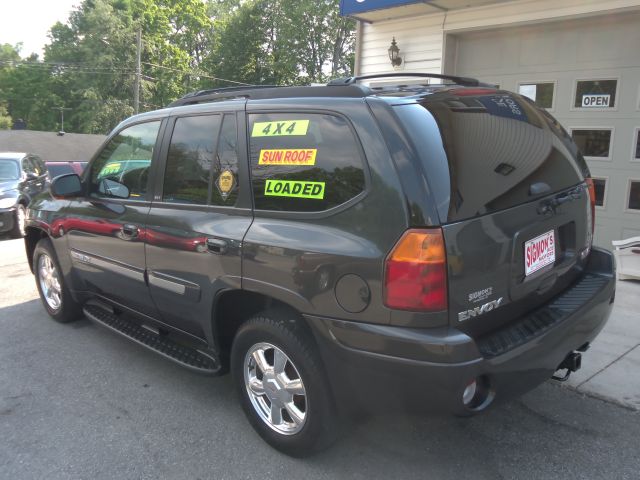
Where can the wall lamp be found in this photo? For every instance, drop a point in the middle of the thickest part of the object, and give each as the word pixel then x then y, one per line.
pixel 394 53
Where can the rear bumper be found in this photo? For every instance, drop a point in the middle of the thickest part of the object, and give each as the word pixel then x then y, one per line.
pixel 385 367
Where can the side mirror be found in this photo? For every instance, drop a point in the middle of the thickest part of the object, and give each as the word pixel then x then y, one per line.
pixel 66 186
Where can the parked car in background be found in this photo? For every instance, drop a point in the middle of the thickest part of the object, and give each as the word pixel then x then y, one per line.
pixel 22 176
pixel 62 168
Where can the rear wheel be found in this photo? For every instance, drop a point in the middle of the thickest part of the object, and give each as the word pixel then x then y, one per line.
pixel 282 386
pixel 55 295
pixel 19 219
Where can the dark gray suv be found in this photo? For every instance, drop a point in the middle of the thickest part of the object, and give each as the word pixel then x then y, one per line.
pixel 339 249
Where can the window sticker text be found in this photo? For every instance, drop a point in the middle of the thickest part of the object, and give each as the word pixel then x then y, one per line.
pixel 297 156
pixel 280 129
pixel 294 188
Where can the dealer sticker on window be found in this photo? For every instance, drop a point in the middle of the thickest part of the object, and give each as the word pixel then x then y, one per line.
pixel 539 252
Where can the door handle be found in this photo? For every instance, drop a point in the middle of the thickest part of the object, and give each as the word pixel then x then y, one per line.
pixel 217 246
pixel 130 231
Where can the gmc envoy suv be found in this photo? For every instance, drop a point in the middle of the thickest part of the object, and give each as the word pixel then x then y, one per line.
pixel 339 249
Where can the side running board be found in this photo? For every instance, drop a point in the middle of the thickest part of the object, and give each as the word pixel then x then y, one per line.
pixel 191 358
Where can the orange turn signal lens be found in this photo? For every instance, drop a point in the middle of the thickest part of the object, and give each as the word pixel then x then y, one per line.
pixel 416 272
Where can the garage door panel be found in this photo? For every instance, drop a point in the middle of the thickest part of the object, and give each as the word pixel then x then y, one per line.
pixel 563 53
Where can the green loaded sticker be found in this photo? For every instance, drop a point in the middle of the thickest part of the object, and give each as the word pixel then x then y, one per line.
pixel 280 129
pixel 293 188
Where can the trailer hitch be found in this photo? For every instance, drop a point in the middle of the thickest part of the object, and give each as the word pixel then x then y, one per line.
pixel 571 363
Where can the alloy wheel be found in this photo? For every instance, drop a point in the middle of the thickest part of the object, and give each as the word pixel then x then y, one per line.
pixel 275 388
pixel 49 280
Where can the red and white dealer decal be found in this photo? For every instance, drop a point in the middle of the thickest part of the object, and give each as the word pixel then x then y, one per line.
pixel 539 252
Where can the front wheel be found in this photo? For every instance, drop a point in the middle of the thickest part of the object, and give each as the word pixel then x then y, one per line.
pixel 54 293
pixel 282 385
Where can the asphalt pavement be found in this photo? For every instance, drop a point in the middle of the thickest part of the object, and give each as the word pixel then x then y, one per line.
pixel 79 402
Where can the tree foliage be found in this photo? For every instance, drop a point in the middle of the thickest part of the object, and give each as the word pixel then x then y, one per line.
pixel 5 119
pixel 89 67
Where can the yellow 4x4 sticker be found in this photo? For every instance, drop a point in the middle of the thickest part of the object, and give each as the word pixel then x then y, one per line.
pixel 284 156
pixel 294 188
pixel 280 129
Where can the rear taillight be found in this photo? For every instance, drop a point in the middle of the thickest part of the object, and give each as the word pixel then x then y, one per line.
pixel 592 199
pixel 416 272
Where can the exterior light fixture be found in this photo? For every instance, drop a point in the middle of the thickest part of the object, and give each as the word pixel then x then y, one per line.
pixel 394 53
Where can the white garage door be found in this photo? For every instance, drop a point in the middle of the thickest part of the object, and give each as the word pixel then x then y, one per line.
pixel 587 74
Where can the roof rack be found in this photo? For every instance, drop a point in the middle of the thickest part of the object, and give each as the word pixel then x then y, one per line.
pixel 262 92
pixel 465 81
pixel 210 95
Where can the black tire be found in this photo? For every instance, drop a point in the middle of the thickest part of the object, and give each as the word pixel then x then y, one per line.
pixel 68 309
pixel 282 329
pixel 20 214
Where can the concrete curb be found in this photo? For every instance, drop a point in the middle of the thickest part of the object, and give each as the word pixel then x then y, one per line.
pixel 611 367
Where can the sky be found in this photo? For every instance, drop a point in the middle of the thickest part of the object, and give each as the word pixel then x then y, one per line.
pixel 29 21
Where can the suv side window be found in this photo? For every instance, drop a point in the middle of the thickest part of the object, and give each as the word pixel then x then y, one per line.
pixel 303 162
pixel 202 165
pixel 125 160
pixel 187 176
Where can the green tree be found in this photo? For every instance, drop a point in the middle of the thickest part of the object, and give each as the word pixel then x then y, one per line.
pixel 90 65
pixel 318 38
pixel 5 119
pixel 23 85
pixel 282 42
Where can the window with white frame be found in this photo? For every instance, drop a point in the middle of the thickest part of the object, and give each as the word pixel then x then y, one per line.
pixel 540 92
pixel 596 93
pixel 633 197
pixel 594 143
pixel 600 187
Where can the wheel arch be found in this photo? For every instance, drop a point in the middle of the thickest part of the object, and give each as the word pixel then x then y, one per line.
pixel 31 238
pixel 232 308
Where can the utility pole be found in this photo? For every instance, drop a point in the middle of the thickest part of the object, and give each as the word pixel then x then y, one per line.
pixel 136 91
pixel 62 109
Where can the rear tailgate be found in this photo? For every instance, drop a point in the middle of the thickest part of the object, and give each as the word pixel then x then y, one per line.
pixel 509 186
pixel 506 263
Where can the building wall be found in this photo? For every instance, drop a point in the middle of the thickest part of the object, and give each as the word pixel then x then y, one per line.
pixel 421 38
pixel 519 42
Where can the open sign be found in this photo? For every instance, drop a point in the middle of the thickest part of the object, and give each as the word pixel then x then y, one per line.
pixel 596 100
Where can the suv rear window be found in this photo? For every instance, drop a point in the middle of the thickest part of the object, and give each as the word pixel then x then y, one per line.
pixel 483 150
pixel 303 162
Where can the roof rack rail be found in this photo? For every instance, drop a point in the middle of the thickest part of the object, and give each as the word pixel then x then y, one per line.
pixel 465 81
pixel 203 96
pixel 265 92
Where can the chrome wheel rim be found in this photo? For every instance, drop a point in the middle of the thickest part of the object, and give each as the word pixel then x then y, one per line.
pixel 49 282
pixel 275 388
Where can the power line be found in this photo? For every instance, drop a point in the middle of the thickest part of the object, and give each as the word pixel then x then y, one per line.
pixel 78 68
pixel 197 73
pixel 68 100
pixel 60 65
